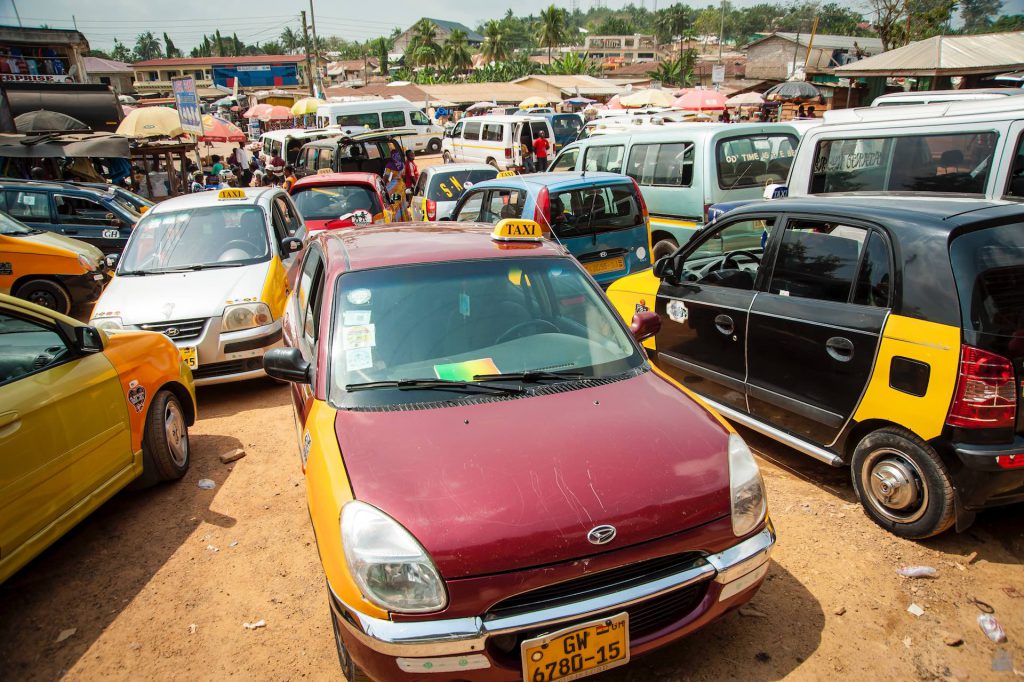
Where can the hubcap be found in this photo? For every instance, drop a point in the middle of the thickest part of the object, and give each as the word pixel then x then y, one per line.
pixel 44 299
pixel 894 486
pixel 176 434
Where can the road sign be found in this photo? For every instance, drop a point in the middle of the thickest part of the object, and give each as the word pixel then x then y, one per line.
pixel 188 105
pixel 718 73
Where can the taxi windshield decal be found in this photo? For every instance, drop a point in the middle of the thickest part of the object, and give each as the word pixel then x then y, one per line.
pixel 465 371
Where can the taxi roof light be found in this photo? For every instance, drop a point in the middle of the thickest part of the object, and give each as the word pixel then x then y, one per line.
pixel 230 193
pixel 517 230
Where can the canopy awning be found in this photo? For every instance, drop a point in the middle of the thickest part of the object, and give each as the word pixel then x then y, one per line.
pixel 96 145
pixel 945 56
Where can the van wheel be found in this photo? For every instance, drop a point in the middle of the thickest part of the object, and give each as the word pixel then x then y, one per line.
pixel 663 247
pixel 46 293
pixel 446 157
pixel 434 146
pixel 492 162
pixel 903 484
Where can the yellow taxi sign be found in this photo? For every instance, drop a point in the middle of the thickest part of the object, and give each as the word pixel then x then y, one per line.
pixel 325 171
pixel 506 174
pixel 231 193
pixel 516 230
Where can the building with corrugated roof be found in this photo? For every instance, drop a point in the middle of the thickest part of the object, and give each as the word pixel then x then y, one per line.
pixel 774 56
pixel 444 29
pixel 252 72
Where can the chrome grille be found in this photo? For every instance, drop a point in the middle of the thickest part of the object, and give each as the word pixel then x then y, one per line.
pixel 177 330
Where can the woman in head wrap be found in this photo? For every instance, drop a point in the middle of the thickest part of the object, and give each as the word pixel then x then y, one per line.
pixel 394 182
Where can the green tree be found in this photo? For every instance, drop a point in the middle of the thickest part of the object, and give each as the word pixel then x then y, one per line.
pixel 927 18
pixel 218 43
pixel 614 26
pixel 1008 22
pixel 380 48
pixel 270 47
pixel 290 39
pixel 977 14
pixel 423 49
pixel 572 63
pixel 456 54
pixel 495 47
pixel 170 51
pixel 677 71
pixel 121 53
pixel 147 46
pixel 707 24
pixel 674 22
pixel 552 28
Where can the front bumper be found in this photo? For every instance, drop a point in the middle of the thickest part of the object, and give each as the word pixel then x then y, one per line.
pixel 385 648
pixel 85 289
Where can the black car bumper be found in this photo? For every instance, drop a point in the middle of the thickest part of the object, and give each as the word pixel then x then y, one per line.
pixel 84 289
pixel 982 481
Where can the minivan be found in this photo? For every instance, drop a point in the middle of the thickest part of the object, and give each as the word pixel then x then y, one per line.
pixel 496 140
pixel 365 152
pixel 389 113
pixel 287 142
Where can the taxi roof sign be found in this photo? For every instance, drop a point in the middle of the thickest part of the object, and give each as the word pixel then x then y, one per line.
pixel 517 230
pixel 231 193
pixel 325 171
pixel 506 174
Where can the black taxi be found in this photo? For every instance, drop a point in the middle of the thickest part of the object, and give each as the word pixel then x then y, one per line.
pixel 883 334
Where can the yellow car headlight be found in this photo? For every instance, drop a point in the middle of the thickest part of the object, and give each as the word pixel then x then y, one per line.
pixel 245 316
pixel 107 324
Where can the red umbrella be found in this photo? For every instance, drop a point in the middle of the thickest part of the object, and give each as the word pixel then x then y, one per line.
pixel 257 110
pixel 614 103
pixel 701 100
pixel 276 113
pixel 218 130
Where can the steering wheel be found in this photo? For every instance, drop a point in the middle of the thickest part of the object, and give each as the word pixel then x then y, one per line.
pixel 730 258
pixel 243 244
pixel 523 325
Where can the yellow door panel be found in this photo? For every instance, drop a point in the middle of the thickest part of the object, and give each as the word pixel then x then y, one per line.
pixel 633 292
pixel 936 345
pixel 275 288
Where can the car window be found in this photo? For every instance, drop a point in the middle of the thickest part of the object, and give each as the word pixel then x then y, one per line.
pixel 30 206
pixel 730 255
pixel 27 347
pixel 308 299
pixel 470 211
pixel 1015 178
pixel 668 164
pixel 594 210
pixel 566 160
pixel 491 132
pixel 326 159
pixel 418 118
pixel 988 266
pixel 818 260
pixel 754 160
pixel 421 185
pixel 373 150
pixel 503 203
pixel 449 186
pixel 393 119
pixel 566 125
pixel 472 131
pixel 604 158
pixel 874 279
pixel 457 130
pixel 358 120
pixel 79 211
pixel 289 215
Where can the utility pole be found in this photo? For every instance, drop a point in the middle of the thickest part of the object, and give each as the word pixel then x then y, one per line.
pixel 15 6
pixel 721 33
pixel 73 21
pixel 305 41
pixel 316 49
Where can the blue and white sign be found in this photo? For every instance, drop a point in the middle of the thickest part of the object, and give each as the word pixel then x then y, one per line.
pixel 188 105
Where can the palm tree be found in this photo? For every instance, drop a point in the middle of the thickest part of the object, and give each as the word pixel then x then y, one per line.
pixel 673 21
pixel 289 39
pixel 573 63
pixel 552 28
pixel 170 51
pixel 147 46
pixel 423 46
pixel 381 48
pixel 495 47
pixel 677 71
pixel 455 54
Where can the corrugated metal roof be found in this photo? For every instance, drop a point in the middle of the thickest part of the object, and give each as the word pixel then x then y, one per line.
pixel 101 65
pixel 945 56
pixel 471 35
pixel 825 41
pixel 222 61
pixel 469 93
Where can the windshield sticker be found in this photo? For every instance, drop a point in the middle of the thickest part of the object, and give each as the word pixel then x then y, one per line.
pixel 677 311
pixel 27 199
pixel 136 395
pixel 464 305
pixel 359 296
pixel 641 307
pixel 358 358
pixel 465 371
pixel 359 336
pixel 352 317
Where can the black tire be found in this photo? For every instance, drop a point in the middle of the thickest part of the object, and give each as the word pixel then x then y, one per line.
pixel 903 484
pixel 663 247
pixel 349 670
pixel 165 447
pixel 46 293
pixel 434 146
pixel 446 157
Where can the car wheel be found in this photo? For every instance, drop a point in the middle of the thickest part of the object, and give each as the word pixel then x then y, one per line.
pixel 903 484
pixel 165 441
pixel 663 247
pixel 446 157
pixel 46 293
pixel 434 146
pixel 349 670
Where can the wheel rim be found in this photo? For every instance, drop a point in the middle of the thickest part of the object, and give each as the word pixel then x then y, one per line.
pixel 175 434
pixel 894 486
pixel 43 298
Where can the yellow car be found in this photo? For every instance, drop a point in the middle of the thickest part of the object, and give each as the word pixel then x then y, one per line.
pixel 82 415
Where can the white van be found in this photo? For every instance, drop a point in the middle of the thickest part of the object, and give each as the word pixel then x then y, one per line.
pixel 940 96
pixel 967 149
pixel 495 140
pixel 384 113
pixel 287 142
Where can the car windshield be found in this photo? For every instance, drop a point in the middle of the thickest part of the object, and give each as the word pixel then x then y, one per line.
pixel 449 185
pixel 9 227
pixel 594 210
pixel 131 201
pixel 328 203
pixel 566 125
pixel 457 321
pixel 211 236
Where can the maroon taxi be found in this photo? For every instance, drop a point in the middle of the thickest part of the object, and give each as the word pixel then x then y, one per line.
pixel 329 201
pixel 501 485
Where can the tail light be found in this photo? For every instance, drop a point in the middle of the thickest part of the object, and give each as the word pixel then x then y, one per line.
pixel 986 391
pixel 640 198
pixel 1010 461
pixel 542 209
pixel 508 152
pixel 430 209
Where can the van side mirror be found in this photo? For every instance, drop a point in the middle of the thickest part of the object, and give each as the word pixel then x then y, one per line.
pixel 645 324
pixel 290 245
pixel 287 364
pixel 88 340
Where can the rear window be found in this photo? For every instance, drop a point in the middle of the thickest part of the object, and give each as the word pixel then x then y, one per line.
pixel 450 186
pixel 588 210
pixel 566 125
pixel 754 160
pixel 989 269
pixel 328 203
pixel 945 164
pixel 604 158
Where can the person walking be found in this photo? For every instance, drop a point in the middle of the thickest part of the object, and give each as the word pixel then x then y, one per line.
pixel 411 173
pixel 540 150
pixel 289 178
pixel 527 153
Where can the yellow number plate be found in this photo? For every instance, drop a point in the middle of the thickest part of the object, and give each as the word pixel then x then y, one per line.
pixel 578 651
pixel 190 356
pixel 599 267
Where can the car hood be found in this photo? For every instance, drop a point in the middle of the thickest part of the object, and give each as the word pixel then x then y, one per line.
pixel 59 241
pixel 501 486
pixel 180 295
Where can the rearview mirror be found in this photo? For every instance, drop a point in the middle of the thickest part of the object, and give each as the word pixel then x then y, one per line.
pixel 645 324
pixel 287 364
pixel 88 340
pixel 665 268
pixel 290 245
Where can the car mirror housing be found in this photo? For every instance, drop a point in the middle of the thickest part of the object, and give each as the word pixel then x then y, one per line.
pixel 290 245
pixel 645 324
pixel 88 340
pixel 110 260
pixel 665 268
pixel 287 364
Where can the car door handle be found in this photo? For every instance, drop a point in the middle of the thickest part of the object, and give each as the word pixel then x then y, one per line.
pixel 9 419
pixel 840 348
pixel 724 324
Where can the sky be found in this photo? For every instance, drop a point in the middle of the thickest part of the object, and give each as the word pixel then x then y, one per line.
pixel 262 20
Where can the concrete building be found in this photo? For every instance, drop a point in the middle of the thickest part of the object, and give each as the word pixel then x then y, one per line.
pixel 118 75
pixel 254 72
pixel 624 49
pixel 444 29
pixel 773 56
pixel 42 55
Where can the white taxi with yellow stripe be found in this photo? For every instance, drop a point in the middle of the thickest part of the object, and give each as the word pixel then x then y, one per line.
pixel 208 270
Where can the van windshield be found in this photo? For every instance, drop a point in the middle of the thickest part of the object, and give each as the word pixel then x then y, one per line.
pixel 594 210
pixel 754 160
pixel 988 266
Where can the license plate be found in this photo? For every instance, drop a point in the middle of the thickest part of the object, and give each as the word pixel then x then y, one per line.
pixel 599 267
pixel 578 651
pixel 190 356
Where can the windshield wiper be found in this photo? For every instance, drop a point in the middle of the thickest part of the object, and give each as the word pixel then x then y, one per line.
pixel 530 376
pixel 443 384
pixel 134 273
pixel 200 266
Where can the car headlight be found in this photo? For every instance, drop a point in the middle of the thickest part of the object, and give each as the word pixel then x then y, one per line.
pixel 746 488
pixel 107 324
pixel 245 316
pixel 390 567
pixel 86 262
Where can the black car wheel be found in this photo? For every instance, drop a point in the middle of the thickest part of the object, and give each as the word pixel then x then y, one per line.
pixel 165 448
pixel 349 670
pixel 46 293
pixel 434 146
pixel 903 484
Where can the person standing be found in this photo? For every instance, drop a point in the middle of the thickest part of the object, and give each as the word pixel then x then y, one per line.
pixel 411 173
pixel 217 165
pixel 527 153
pixel 289 178
pixel 540 150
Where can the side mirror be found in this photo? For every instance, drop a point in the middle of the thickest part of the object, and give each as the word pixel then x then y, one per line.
pixel 88 340
pixel 110 260
pixel 290 245
pixel 665 268
pixel 645 325
pixel 287 364
pixel 408 192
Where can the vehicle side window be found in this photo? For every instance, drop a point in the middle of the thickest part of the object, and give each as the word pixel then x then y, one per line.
pixel 1015 178
pixel 28 347
pixel 373 150
pixel 81 211
pixel 301 161
pixel 326 159
pixel 472 131
pixel 536 127
pixel 668 165
pixel 30 206
pixel 874 280
pixel 470 211
pixel 457 130
pixel 289 216
pixel 418 118
pixel 278 221
pixel 605 158
pixel 358 120
pixel 393 119
pixel 818 260
pixel 309 298
pixel 503 203
pixel 492 132
pixel 754 160
pixel 730 256
pixel 566 160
